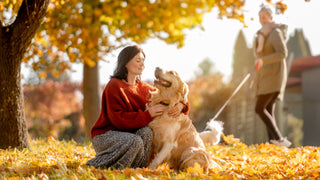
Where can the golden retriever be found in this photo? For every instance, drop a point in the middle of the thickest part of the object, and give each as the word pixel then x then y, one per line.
pixel 176 141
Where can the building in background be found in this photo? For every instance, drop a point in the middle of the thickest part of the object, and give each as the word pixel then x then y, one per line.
pixel 302 99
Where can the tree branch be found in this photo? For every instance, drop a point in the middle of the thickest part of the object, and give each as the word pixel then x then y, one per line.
pixel 29 18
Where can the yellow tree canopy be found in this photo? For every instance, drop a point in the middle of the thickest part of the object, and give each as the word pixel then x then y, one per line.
pixel 85 31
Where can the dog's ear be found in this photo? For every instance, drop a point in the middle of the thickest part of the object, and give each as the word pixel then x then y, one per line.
pixel 185 91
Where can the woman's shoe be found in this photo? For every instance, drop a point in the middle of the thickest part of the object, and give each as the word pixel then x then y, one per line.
pixel 282 142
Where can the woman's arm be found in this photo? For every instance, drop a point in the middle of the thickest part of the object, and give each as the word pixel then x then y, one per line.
pixel 120 112
pixel 279 46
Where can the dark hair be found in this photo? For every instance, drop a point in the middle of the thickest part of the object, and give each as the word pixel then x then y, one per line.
pixel 124 57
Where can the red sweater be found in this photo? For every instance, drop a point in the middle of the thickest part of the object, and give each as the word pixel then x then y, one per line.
pixel 123 107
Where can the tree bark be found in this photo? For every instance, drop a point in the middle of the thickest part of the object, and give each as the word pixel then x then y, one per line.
pixel 14 40
pixel 91 97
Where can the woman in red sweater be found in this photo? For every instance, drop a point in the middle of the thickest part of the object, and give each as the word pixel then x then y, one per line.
pixel 120 136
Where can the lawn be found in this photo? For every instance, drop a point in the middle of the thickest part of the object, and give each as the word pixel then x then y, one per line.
pixel 53 159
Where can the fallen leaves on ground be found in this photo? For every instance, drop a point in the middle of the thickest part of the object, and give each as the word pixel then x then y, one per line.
pixel 53 159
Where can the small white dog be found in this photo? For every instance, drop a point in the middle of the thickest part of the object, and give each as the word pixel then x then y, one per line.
pixel 211 135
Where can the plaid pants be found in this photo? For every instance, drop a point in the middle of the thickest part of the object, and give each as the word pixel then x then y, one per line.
pixel 117 149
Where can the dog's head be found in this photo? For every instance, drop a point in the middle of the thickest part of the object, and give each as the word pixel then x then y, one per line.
pixel 170 85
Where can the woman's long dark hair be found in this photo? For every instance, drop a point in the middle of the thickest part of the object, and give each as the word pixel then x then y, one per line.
pixel 124 57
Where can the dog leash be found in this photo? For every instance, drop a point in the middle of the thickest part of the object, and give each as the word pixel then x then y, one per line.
pixel 234 92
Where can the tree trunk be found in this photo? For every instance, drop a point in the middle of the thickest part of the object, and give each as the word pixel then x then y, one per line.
pixel 91 97
pixel 14 41
pixel 13 129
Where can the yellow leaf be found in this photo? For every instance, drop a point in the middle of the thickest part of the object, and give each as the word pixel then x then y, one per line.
pixel 89 62
pixel 171 27
pixel 278 176
pixel 97 12
pixel 315 173
pixel 163 167
pixel 34 163
pixel 14 178
pixel 40 53
pixel 55 74
pixel 106 19
pixel 91 45
pixel 195 170
pixel 127 171
pixel 150 24
pixel 51 139
pixel 43 75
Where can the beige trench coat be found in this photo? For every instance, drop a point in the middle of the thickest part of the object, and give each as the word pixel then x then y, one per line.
pixel 272 76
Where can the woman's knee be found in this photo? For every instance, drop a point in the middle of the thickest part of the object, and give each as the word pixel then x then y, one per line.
pixel 148 132
pixel 137 143
pixel 145 131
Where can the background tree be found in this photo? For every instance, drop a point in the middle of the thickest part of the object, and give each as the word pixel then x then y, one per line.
pixel 54 108
pixel 205 68
pixel 207 88
pixel 15 36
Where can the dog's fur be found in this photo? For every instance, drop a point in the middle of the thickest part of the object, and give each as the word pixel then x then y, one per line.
pixel 212 133
pixel 175 140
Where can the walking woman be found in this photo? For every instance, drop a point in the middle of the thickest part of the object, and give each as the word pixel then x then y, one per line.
pixel 271 72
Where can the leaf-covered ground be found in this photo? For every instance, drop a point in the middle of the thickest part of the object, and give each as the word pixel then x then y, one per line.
pixel 52 159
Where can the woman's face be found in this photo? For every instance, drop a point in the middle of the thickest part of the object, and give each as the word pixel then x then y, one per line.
pixel 264 17
pixel 136 65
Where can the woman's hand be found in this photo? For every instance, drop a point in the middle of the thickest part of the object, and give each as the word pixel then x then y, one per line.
pixel 156 110
pixel 258 63
pixel 176 110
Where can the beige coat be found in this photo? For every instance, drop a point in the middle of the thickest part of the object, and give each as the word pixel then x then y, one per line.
pixel 272 76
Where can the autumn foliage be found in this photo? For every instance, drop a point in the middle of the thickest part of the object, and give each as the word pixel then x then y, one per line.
pixel 52 159
pixel 54 109
pixel 87 31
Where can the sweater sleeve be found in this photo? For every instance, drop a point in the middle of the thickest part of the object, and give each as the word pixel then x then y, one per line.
pixel 121 113
pixel 279 46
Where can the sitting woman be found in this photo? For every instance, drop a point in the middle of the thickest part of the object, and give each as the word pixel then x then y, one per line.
pixel 120 136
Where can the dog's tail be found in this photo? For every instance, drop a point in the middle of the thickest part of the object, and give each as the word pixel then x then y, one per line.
pixel 211 135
